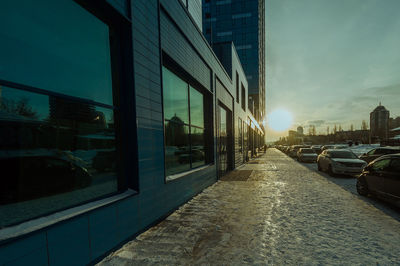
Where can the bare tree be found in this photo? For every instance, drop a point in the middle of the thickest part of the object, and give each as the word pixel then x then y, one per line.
pixel 364 125
pixel 351 127
pixel 313 130
pixel 327 130
pixel 20 107
pixel 334 129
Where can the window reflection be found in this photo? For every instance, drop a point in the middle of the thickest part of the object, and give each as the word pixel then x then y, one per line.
pixel 184 149
pixel 198 157
pixel 175 97
pixel 177 150
pixel 44 49
pixel 196 108
pixel 55 153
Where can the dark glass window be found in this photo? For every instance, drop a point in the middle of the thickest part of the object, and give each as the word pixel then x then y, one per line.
pixel 243 98
pixel 237 87
pixel 381 165
pixel 56 151
pixel 183 124
pixel 196 108
pixel 49 50
pixel 175 98
pixel 240 133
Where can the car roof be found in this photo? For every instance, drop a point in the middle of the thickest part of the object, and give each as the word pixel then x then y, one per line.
pixel 339 150
pixel 396 155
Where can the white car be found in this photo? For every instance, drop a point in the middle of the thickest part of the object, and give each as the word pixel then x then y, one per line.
pixel 340 161
pixel 306 155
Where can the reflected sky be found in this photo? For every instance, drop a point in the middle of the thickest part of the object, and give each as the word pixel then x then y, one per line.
pixel 44 49
pixel 332 61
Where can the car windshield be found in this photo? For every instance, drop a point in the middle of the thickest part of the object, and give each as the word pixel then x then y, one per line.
pixel 307 151
pixel 343 154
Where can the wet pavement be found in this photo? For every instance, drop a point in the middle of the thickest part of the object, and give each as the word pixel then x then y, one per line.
pixel 276 211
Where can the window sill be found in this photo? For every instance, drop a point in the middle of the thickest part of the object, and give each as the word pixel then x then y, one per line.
pixel 176 176
pixel 42 222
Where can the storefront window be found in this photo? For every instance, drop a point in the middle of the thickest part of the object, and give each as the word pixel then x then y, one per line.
pixel 183 125
pixel 57 136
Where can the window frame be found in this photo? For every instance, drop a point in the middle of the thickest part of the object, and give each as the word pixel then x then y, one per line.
pixel 180 73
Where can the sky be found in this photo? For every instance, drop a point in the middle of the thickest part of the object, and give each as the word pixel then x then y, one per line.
pixel 332 61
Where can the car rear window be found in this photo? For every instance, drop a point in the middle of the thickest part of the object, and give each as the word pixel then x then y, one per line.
pixel 343 154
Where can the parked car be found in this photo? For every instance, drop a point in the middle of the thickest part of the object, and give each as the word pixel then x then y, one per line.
pixel 337 161
pixel 382 178
pixel 378 152
pixel 35 176
pixel 294 149
pixel 306 155
pixel 317 148
pixel 325 147
pixel 104 160
pixel 339 147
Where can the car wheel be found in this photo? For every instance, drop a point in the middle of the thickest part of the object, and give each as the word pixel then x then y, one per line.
pixel 319 167
pixel 362 187
pixel 330 171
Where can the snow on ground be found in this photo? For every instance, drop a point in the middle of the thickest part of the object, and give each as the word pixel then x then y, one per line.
pixel 272 211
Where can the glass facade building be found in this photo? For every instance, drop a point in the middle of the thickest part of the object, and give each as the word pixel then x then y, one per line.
pixel 243 23
pixel 113 113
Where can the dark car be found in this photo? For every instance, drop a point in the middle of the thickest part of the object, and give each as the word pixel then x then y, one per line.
pixel 382 178
pixel 317 148
pixel 104 160
pixel 33 176
pixel 295 148
pixel 325 147
pixel 378 152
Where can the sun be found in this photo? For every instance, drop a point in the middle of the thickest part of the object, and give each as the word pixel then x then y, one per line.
pixel 280 120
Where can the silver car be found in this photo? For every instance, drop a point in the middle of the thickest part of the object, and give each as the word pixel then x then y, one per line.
pixel 340 161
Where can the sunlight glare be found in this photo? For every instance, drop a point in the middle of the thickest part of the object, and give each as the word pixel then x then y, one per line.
pixel 280 120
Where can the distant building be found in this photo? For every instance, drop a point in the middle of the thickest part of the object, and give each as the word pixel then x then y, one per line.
pixel 379 123
pixel 393 122
pixel 300 130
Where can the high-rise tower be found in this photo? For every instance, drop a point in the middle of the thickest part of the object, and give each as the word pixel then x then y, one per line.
pixel 379 123
pixel 243 23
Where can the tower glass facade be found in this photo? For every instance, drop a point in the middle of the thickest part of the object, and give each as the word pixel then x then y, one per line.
pixel 243 23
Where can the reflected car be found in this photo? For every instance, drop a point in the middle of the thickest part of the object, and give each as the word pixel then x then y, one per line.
pixel 306 155
pixel 382 178
pixel 336 161
pixel 31 177
pixel 378 152
pixel 104 160
pixel 197 155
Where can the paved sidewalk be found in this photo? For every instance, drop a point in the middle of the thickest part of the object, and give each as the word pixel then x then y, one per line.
pixel 273 211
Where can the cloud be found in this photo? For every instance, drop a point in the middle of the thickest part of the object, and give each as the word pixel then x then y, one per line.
pixel 390 90
pixel 316 123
